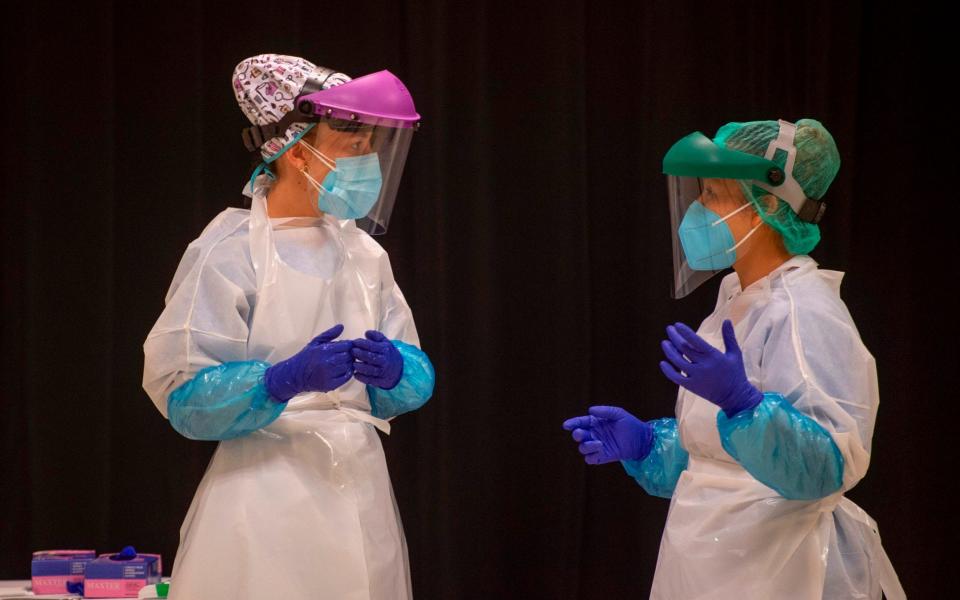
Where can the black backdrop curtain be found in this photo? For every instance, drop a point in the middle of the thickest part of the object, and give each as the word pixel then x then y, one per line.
pixel 531 238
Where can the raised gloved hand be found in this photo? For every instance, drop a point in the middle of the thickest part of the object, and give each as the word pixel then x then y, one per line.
pixel 707 372
pixel 321 366
pixel 609 434
pixel 378 362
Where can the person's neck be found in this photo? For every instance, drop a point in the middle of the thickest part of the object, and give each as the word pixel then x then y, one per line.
pixel 759 263
pixel 286 199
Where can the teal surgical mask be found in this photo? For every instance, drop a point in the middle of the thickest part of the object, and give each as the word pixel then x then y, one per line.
pixel 707 240
pixel 352 186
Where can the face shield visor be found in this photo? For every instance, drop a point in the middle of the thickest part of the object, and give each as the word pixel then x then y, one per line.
pixel 704 190
pixel 703 242
pixel 356 168
pixel 359 149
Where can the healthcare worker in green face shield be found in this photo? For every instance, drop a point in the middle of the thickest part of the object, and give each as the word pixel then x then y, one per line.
pixel 286 338
pixel 777 393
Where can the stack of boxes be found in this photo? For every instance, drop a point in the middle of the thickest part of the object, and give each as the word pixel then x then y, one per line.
pixel 119 575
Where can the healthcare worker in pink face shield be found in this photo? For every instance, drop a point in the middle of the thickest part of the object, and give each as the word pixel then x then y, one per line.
pixel 777 393
pixel 286 338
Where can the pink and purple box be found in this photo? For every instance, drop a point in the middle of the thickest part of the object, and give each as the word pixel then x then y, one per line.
pixel 107 576
pixel 52 570
pixel 110 577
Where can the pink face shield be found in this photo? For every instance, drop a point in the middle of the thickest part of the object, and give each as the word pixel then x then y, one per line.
pixel 372 116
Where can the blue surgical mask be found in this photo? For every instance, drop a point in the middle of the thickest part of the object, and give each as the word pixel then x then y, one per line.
pixel 707 240
pixel 352 186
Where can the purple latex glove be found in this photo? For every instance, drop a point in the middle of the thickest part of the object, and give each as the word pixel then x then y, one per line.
pixel 707 372
pixel 609 434
pixel 378 362
pixel 321 366
pixel 75 588
pixel 128 553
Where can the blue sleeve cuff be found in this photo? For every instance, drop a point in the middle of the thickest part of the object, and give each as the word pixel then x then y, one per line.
pixel 783 449
pixel 223 402
pixel 659 471
pixel 412 391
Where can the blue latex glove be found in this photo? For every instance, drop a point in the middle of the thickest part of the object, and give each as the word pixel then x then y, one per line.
pixel 609 434
pixel 717 376
pixel 321 366
pixel 378 362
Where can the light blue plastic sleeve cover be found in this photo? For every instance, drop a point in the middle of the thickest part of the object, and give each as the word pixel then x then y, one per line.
pixel 659 471
pixel 783 449
pixel 413 390
pixel 223 402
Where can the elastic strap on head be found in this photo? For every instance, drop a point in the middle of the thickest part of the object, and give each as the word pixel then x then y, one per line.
pixel 784 141
pixel 807 209
pixel 256 136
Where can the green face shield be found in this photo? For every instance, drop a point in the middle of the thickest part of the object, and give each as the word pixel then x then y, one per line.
pixel 693 162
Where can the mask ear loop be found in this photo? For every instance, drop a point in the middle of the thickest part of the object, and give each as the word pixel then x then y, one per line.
pixel 313 181
pixel 746 237
pixel 723 219
pixel 323 158
pixel 264 166
pixel 326 160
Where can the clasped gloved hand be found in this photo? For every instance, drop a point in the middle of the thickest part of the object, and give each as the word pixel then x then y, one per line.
pixel 378 362
pixel 609 434
pixel 717 376
pixel 323 365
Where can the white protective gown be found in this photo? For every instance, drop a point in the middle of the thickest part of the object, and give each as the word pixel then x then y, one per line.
pixel 303 508
pixel 727 535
